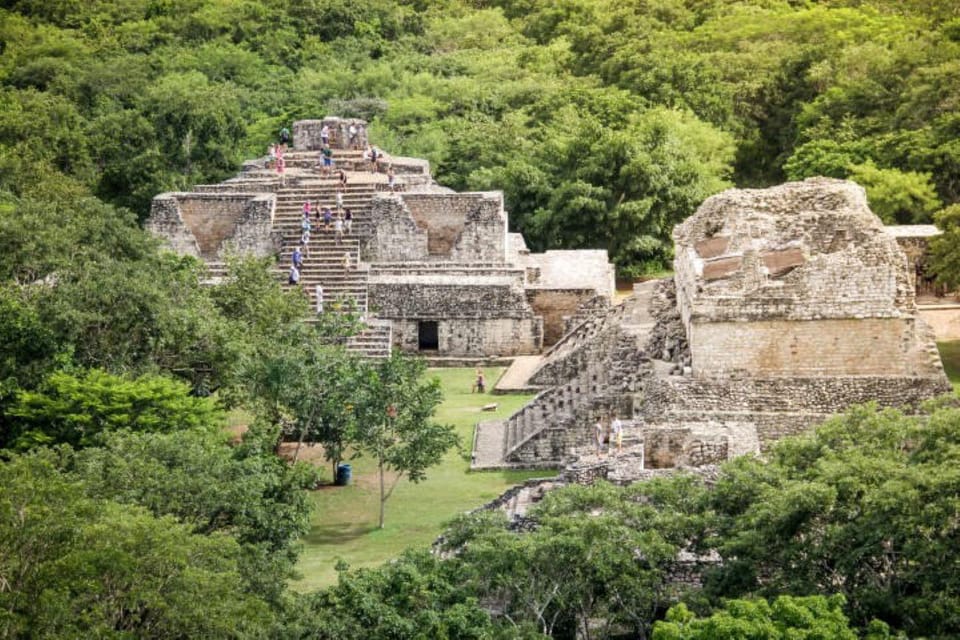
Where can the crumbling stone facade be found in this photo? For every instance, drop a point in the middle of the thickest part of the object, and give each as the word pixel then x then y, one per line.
pixel 788 305
pixel 458 228
pixel 306 133
pixel 208 225
pixel 440 267
pixel 446 261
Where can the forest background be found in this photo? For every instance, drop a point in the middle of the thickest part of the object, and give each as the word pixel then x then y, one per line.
pixel 126 512
pixel 604 123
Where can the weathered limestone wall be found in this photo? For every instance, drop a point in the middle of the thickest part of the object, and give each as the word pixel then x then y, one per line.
pixel 567 269
pixel 462 227
pixel 595 374
pixel 556 306
pixel 306 133
pixel 479 311
pixel 474 337
pixel 801 251
pixel 395 236
pixel 944 321
pixel 864 346
pixel 790 305
pixel 208 225
pixel 421 227
pixel 817 395
pixel 800 279
pixel 439 297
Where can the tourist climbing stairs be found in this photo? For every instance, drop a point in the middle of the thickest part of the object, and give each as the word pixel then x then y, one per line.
pixel 332 274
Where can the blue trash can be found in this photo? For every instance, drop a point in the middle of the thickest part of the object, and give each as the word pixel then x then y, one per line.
pixel 344 472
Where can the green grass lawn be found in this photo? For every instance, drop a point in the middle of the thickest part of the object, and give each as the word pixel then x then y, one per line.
pixel 345 518
pixel 950 354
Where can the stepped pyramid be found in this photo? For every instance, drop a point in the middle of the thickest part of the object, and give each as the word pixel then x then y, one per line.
pixel 429 270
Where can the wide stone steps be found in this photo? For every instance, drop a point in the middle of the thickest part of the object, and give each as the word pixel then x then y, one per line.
pixel 323 261
pixel 374 341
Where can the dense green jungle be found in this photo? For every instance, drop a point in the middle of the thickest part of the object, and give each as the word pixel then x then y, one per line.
pixel 126 511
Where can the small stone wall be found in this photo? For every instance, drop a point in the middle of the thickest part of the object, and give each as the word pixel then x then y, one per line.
pixel 306 133
pixel 421 227
pixel 208 225
pixel 473 337
pixel 557 306
pixel 666 394
pixel 851 346
pixel 944 320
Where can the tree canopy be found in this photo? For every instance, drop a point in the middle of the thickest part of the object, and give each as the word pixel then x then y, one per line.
pixel 603 123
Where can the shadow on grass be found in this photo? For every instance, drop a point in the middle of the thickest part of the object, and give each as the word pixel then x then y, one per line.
pixel 333 534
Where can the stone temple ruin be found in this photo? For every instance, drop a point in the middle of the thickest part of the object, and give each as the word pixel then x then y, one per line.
pixel 787 305
pixel 430 270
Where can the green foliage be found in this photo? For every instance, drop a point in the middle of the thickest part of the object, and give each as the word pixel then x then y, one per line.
pixel 74 566
pixel 78 409
pixel 861 507
pixel 393 406
pixel 597 553
pixel 416 596
pixel 945 248
pixel 785 618
pixel 212 487
pixel 898 197
pixel 567 107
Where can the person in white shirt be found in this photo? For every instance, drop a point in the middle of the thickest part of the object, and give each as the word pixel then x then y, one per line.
pixel 616 431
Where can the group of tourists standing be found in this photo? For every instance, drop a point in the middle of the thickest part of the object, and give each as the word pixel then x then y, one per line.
pixel 612 436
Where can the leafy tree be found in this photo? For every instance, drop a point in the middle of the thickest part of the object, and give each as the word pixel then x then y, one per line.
pixel 72 566
pixel 593 186
pixel 393 408
pixel 825 157
pixel 786 617
pixel 78 408
pixel 214 488
pixel 945 248
pixel 597 560
pixel 839 510
pixel 898 197
pixel 416 596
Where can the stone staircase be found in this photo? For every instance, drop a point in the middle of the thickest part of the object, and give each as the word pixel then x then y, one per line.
pixel 597 365
pixel 332 272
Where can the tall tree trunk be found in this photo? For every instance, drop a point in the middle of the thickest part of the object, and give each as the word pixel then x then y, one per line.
pixel 383 497
pixel 303 435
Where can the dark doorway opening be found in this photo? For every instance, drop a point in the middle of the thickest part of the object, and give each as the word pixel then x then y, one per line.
pixel 429 335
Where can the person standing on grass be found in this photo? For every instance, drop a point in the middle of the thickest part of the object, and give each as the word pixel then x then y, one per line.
pixel 480 384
